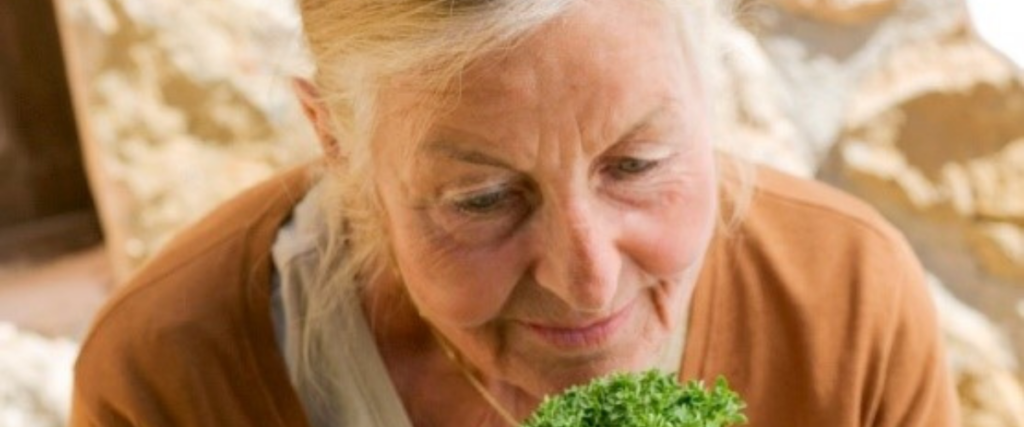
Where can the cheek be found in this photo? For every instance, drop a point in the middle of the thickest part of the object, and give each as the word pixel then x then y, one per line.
pixel 665 241
pixel 452 286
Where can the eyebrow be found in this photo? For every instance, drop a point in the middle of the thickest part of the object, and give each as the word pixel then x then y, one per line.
pixel 646 121
pixel 453 151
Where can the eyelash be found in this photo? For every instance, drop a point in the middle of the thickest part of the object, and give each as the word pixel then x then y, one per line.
pixel 492 202
pixel 617 170
pixel 486 203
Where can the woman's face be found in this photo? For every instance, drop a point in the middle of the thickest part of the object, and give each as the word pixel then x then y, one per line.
pixel 550 218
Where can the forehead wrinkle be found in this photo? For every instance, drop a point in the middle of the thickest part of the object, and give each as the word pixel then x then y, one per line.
pixel 667 105
pixel 477 129
pixel 514 98
pixel 453 151
pixel 478 149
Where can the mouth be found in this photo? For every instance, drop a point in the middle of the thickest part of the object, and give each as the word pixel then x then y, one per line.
pixel 584 336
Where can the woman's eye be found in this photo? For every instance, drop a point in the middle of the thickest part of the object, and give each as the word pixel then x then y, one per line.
pixel 630 167
pixel 484 203
pixel 485 215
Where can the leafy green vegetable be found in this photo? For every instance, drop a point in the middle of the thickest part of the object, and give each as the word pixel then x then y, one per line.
pixel 648 399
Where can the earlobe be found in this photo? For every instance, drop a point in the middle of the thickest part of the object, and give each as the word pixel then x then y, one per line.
pixel 316 112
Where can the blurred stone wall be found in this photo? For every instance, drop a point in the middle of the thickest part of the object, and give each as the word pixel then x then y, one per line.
pixel 36 372
pixel 185 103
pixel 896 101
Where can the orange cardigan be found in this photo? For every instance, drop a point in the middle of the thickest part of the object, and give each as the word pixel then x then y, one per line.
pixel 815 310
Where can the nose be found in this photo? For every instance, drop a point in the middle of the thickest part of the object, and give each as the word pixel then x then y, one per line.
pixel 578 258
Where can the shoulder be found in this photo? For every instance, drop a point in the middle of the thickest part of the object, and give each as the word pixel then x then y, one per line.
pixel 841 287
pixel 810 247
pixel 809 231
pixel 208 264
pixel 817 291
pixel 198 311
pixel 809 261
pixel 781 199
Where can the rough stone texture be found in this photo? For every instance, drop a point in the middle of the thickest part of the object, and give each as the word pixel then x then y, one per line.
pixel 982 364
pixel 187 103
pixel 848 12
pixel 36 372
pixel 756 112
pixel 946 146
pixel 820 64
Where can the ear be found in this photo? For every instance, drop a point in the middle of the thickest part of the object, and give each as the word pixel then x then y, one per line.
pixel 316 111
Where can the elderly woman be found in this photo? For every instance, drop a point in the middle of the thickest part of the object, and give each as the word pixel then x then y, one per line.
pixel 516 196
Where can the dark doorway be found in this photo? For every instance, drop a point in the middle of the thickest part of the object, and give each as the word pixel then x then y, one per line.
pixel 45 205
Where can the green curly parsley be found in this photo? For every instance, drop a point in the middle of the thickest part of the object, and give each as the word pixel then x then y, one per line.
pixel 648 399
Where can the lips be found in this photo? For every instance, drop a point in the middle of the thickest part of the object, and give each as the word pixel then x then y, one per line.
pixel 587 335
